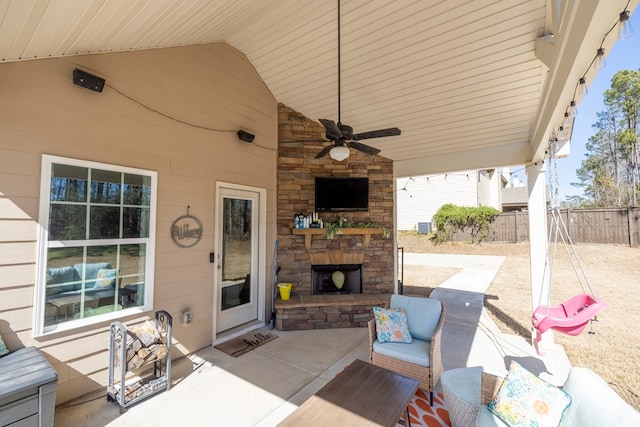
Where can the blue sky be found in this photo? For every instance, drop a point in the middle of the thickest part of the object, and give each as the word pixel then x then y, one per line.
pixel 625 54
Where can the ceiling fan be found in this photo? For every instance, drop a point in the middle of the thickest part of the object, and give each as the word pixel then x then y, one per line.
pixel 342 135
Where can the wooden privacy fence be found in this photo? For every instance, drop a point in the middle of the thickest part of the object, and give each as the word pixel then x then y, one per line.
pixel 618 226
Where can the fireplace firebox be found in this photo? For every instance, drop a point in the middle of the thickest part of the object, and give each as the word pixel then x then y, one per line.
pixel 324 282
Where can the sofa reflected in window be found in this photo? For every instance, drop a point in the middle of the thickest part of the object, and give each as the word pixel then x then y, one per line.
pixel 88 289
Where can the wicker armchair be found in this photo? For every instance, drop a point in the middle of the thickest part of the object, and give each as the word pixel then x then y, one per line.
pixel 426 318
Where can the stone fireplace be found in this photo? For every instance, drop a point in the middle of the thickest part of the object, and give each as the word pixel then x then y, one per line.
pixel 300 249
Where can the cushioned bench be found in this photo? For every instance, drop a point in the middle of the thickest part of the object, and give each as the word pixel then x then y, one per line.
pixel 27 389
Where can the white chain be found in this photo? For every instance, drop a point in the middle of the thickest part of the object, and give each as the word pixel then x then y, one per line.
pixel 554 178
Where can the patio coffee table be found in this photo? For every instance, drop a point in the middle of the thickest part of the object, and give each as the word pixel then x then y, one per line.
pixel 361 395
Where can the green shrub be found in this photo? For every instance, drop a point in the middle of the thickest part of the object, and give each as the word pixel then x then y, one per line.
pixel 451 218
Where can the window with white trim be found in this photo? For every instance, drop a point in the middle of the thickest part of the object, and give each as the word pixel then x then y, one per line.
pixel 97 237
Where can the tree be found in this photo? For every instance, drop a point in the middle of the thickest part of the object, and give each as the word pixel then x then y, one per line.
pixel 610 174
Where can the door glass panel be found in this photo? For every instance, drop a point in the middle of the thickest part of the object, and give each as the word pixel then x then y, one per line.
pixel 236 253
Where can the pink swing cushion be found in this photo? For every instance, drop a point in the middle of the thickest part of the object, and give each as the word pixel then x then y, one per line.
pixel 570 317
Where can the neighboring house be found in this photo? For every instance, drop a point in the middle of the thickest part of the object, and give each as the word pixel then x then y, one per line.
pixel 514 199
pixel 419 198
pixel 517 198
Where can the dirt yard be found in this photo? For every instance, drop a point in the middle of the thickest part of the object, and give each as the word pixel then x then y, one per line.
pixel 613 272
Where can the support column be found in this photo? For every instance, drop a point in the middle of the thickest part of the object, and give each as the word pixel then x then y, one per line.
pixel 538 241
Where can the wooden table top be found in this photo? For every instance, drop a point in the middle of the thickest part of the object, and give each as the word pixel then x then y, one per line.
pixel 361 395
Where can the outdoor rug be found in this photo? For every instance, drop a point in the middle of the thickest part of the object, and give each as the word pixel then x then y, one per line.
pixel 247 342
pixel 424 415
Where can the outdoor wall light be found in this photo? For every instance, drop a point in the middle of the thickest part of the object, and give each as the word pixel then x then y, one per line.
pixel 339 153
pixel 245 136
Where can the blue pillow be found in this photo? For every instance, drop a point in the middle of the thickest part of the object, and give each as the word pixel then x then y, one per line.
pixel 59 275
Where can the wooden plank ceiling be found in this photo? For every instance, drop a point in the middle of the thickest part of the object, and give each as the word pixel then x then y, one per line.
pixel 462 79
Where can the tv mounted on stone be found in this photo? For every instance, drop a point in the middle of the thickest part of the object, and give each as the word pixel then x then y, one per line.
pixel 341 194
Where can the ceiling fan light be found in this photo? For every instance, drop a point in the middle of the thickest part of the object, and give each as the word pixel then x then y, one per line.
pixel 339 153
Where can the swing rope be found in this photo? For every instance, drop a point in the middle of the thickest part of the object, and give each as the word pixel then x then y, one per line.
pixel 559 229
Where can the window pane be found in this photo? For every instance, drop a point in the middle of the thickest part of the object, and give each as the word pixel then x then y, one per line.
pixel 137 190
pixel 132 268
pixel 104 222
pixel 68 183
pixel 132 263
pixel 62 257
pixel 105 186
pixel 236 262
pixel 105 253
pixel 135 222
pixel 67 222
pixel 62 297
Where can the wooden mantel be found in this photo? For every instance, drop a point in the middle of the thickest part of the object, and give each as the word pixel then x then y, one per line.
pixel 308 234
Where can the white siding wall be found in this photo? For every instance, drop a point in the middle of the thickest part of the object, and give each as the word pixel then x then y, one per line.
pixel 495 192
pixel 424 195
pixel 489 188
pixel 42 111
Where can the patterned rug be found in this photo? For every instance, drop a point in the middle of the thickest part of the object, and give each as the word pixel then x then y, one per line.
pixel 424 415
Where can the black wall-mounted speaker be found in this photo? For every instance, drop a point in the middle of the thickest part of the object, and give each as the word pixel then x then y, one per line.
pixel 245 136
pixel 84 79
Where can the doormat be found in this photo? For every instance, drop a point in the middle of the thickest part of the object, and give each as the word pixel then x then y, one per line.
pixel 247 342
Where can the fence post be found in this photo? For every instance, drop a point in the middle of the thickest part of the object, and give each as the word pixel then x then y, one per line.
pixel 629 224
pixel 515 219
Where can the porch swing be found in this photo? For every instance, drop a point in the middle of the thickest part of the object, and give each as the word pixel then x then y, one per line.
pixel 573 315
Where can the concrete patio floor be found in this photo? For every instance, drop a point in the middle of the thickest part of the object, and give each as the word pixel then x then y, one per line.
pixel 262 387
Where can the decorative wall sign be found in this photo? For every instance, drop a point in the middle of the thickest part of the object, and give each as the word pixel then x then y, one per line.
pixel 186 230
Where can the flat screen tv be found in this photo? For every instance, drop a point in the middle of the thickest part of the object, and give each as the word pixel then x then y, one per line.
pixel 342 194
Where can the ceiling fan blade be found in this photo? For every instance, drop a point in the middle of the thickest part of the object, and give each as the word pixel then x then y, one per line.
pixel 364 148
pixel 377 134
pixel 324 151
pixel 333 131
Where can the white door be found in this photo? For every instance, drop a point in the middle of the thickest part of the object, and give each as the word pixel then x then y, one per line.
pixel 238 246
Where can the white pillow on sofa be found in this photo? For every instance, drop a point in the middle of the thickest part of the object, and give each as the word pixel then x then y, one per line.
pixel 525 400
pixel 106 278
pixel 595 403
